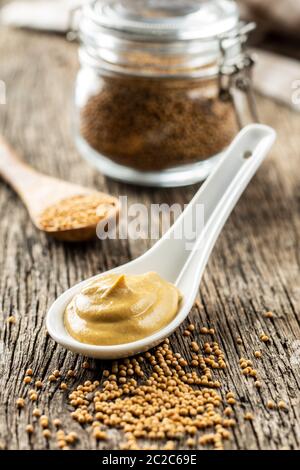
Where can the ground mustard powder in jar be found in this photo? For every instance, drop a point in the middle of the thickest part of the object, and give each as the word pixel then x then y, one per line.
pixel 154 94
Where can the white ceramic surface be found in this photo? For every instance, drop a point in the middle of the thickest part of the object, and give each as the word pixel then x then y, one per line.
pixel 169 256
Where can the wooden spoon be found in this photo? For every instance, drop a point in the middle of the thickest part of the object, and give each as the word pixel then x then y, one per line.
pixel 40 192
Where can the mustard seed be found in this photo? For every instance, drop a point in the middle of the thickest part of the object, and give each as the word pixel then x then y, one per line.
pixel 264 338
pixel 73 435
pixel 70 373
pixel 268 314
pixel 39 384
pixel 248 416
pixel 56 373
pixel 195 346
pixel 20 403
pixel 231 401
pixel 36 413
pixel 191 327
pixel 27 379
pixel 257 354
pixel 257 384
pixel 29 429
pixel 33 397
pixel 228 411
pixel 57 422
pixel 270 404
pixel 61 443
pixel 29 372
pixel 191 442
pixel 11 320
pixel 44 421
pixel 52 378
pixel 63 386
pixel 204 330
pixel 282 405
pixel 99 435
pixel 85 365
pixel 46 433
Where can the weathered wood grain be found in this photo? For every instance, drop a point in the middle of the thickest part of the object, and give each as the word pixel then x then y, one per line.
pixel 254 267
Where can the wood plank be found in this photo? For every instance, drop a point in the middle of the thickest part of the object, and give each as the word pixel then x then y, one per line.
pixel 254 267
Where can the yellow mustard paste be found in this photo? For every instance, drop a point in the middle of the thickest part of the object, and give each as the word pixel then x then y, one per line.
pixel 119 308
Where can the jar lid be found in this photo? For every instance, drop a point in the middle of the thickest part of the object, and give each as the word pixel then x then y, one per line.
pixel 165 20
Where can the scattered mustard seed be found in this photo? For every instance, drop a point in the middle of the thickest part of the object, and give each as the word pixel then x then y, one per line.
pixel 228 411
pixel 271 405
pixel 27 379
pixel 57 422
pixel 61 443
pixel 44 421
pixel 36 413
pixel 47 433
pixel 191 327
pixel 20 403
pixel 282 405
pixel 29 372
pixel 63 386
pixel 52 378
pixel 29 429
pixel 257 354
pixel 191 442
pixel 11 320
pixel 264 338
pixel 99 435
pixel 85 365
pixel 248 416
pixel 231 401
pixel 38 384
pixel 268 314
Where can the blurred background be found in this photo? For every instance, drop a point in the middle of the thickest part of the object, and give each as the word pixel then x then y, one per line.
pixel 275 41
pixel 278 24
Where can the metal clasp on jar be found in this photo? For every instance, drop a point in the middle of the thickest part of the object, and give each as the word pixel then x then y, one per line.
pixel 236 73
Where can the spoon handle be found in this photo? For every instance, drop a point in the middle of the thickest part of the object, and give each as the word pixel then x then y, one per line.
pixel 195 231
pixel 221 191
pixel 14 171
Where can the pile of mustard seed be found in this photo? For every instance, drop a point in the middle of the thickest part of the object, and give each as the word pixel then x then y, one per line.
pixel 158 396
pixel 171 405
pixel 76 212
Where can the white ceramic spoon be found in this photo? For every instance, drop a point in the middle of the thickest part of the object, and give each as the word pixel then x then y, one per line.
pixel 181 260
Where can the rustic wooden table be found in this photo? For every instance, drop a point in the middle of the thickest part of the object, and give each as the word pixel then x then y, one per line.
pixel 254 267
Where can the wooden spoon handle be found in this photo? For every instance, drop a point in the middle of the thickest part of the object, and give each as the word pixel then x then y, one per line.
pixel 20 176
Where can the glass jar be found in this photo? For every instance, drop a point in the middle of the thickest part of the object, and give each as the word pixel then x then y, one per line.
pixel 155 100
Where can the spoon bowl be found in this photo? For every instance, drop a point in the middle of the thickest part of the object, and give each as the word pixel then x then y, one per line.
pixel 181 255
